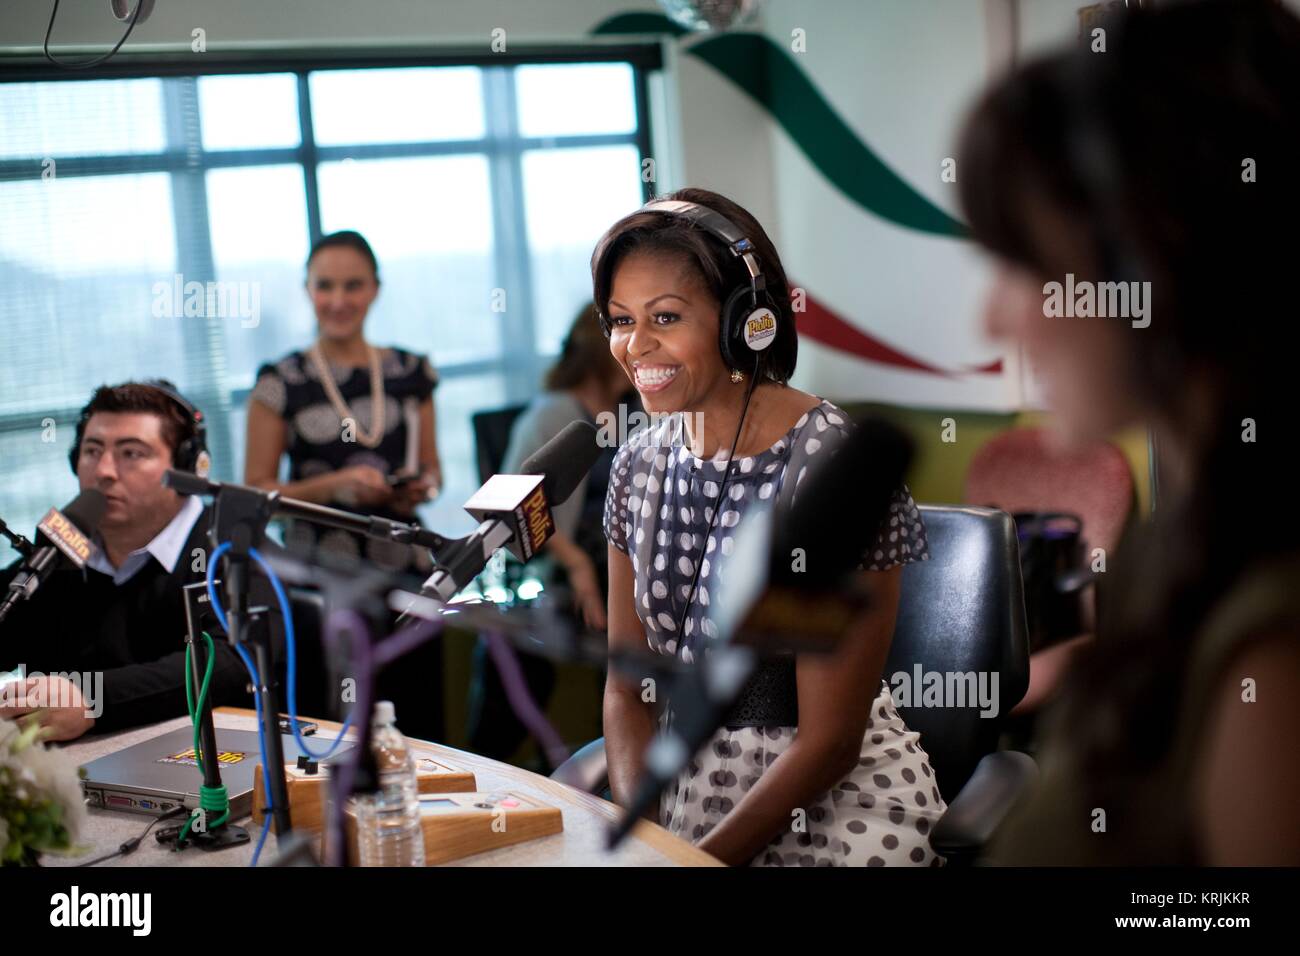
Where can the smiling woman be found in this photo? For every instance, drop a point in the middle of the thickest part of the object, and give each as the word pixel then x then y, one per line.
pixel 813 766
pixel 356 421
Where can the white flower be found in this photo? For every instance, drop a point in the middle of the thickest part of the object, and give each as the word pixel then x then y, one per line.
pixel 32 771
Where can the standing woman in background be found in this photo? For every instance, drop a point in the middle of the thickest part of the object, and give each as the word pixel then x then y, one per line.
pixel 357 420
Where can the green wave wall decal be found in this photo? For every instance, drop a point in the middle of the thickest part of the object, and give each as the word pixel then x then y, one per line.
pixel 772 78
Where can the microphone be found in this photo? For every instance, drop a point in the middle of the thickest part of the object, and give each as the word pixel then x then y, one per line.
pixel 805 596
pixel 514 511
pixel 68 533
pixel 789 589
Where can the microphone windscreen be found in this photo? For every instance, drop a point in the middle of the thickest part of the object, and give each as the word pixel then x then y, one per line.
pixel 86 510
pixel 564 460
pixel 840 507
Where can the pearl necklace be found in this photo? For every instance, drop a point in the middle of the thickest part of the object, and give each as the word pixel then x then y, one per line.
pixel 378 405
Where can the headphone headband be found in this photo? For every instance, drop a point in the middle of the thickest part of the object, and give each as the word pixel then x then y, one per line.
pixel 720 226
pixel 168 389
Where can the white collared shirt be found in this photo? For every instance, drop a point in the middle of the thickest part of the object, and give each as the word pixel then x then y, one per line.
pixel 166 547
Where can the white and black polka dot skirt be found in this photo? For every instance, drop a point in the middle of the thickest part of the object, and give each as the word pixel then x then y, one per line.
pixel 881 814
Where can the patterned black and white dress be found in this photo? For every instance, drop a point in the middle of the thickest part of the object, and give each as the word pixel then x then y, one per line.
pixel 292 389
pixel 660 501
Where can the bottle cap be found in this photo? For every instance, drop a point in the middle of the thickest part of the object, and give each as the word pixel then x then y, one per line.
pixel 385 713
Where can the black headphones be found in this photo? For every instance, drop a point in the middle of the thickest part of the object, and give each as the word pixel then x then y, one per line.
pixel 747 324
pixel 192 453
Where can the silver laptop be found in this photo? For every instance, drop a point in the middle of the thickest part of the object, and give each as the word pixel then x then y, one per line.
pixel 158 775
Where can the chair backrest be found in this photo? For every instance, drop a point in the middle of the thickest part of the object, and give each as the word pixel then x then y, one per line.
pixel 492 438
pixel 961 616
pixel 1020 471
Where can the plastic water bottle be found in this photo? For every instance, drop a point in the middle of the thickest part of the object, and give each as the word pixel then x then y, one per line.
pixel 388 822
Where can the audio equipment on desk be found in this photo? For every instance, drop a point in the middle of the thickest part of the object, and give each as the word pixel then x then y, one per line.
pixel 156 775
pixel 240 515
pixel 457 825
pixel 309 788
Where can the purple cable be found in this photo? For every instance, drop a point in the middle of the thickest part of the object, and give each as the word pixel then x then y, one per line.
pixel 405 640
pixel 365 660
pixel 339 621
pixel 521 699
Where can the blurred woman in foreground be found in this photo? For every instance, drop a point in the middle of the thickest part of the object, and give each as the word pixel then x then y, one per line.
pixel 1166 164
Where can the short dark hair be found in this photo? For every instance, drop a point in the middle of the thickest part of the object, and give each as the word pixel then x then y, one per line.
pixel 347 239
pixel 662 233
pixel 177 426
pixel 584 355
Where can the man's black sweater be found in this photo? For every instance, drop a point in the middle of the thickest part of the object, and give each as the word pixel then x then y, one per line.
pixel 134 633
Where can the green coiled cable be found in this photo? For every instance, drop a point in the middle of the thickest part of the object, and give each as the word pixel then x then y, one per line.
pixel 211 799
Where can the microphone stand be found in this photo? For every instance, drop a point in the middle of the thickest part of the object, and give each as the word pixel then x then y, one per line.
pixel 20 544
pixel 228 834
pixel 383 529
pixel 24 548
pixel 240 516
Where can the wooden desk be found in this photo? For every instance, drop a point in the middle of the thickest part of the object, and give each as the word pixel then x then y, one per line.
pixel 586 817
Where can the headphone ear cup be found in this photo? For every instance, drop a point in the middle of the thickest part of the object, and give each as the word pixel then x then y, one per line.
pixel 184 460
pixel 192 455
pixel 731 326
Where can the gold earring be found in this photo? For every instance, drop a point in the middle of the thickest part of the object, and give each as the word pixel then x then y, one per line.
pixel 737 376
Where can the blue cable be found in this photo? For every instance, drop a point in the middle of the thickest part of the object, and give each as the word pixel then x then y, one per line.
pixel 290 645
pixel 261 743
pixel 283 600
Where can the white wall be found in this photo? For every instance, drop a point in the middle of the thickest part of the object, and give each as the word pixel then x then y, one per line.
pixel 241 23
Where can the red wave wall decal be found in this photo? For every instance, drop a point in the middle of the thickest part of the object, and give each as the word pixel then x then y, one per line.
pixel 820 324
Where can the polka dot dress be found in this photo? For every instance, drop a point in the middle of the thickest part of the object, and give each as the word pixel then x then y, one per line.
pixel 661 499
pixel 314 442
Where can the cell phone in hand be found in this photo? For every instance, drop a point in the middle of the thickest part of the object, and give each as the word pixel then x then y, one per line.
pixel 399 481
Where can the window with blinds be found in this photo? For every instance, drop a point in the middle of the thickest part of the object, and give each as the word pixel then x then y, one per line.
pixel 158 227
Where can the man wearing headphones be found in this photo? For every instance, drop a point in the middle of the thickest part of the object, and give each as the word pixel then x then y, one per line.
pixel 108 640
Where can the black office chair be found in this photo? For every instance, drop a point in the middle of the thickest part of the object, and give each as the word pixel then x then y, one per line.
pixel 492 438
pixel 961 611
